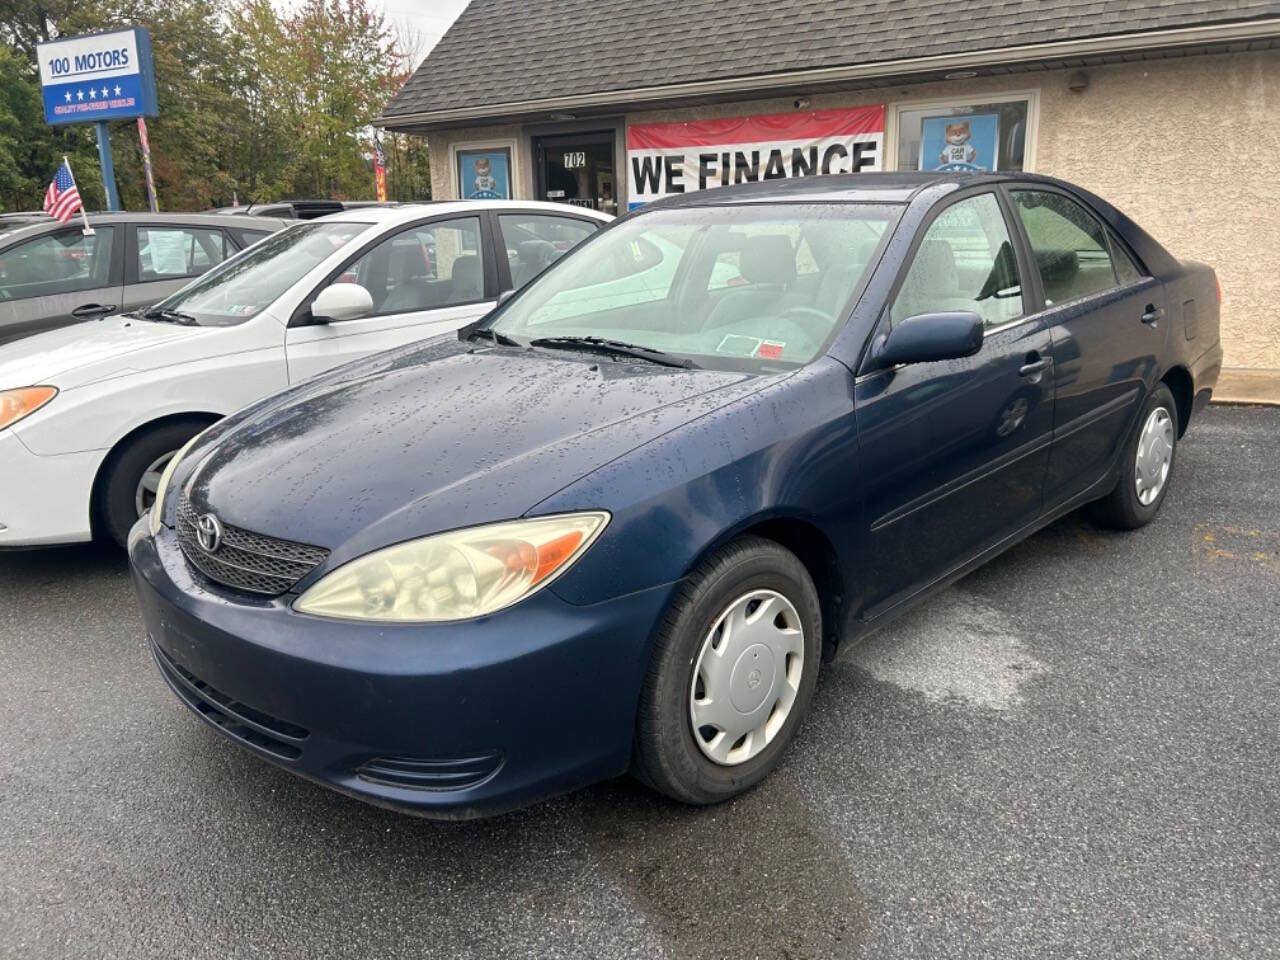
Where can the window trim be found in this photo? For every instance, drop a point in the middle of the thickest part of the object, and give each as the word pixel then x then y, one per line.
pixel 301 316
pixel 1031 95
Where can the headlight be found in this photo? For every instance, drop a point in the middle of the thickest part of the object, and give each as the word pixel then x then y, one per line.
pixel 16 404
pixel 456 575
pixel 157 508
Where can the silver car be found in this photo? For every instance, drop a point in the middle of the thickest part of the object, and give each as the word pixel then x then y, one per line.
pixel 53 274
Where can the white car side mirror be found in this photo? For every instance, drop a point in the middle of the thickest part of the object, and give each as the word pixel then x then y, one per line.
pixel 341 301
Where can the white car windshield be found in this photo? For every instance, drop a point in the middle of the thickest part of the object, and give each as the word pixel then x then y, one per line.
pixel 245 285
pixel 750 286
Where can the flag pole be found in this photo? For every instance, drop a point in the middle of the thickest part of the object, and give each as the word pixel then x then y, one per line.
pixel 88 230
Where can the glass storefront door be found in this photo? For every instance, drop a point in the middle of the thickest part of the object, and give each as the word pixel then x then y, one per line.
pixel 578 169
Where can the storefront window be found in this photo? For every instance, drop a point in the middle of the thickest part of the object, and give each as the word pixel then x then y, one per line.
pixel 964 136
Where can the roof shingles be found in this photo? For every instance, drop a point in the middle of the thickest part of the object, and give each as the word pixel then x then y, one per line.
pixel 505 51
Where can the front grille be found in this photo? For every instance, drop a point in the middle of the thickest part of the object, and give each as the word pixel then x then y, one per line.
pixel 238 719
pixel 247 560
pixel 435 774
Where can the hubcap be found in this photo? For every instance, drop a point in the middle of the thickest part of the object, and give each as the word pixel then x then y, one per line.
pixel 746 677
pixel 1155 455
pixel 145 495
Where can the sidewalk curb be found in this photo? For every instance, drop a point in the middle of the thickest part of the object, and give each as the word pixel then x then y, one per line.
pixel 1248 387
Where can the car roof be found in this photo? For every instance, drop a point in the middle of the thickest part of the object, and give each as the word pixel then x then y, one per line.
pixel 408 212
pixel 23 225
pixel 830 188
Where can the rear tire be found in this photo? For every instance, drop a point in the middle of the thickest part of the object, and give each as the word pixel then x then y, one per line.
pixel 1146 466
pixel 752 609
pixel 122 480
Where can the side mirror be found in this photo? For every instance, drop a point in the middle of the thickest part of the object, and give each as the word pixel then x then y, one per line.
pixel 341 301
pixel 930 336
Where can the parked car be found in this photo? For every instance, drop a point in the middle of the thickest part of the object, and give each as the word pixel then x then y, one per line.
pixel 584 536
pixel 90 416
pixel 53 274
pixel 300 209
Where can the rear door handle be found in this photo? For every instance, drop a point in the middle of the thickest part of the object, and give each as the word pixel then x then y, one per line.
pixel 1153 314
pixel 93 310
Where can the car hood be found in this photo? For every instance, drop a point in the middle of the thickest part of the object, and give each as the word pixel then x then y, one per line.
pixel 440 437
pixel 77 354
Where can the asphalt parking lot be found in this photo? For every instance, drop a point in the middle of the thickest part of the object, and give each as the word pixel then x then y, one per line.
pixel 1073 752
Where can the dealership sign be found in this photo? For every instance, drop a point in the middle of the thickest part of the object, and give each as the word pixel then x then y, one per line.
pixel 670 158
pixel 101 76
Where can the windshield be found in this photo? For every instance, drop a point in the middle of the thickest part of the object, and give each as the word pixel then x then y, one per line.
pixel 741 287
pixel 245 285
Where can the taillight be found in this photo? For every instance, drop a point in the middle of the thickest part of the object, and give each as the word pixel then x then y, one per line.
pixel 1218 283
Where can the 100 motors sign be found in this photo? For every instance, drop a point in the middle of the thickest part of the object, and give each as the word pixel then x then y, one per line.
pixel 101 76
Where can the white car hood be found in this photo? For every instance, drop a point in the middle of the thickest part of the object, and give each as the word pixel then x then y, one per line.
pixel 84 352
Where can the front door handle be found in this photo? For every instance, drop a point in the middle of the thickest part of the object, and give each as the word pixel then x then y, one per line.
pixel 1153 313
pixel 1034 366
pixel 93 310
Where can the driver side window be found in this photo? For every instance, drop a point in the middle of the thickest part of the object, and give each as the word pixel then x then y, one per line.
pixel 439 264
pixel 965 262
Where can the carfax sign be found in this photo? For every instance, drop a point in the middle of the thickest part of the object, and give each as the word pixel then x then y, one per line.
pixel 100 76
pixel 668 158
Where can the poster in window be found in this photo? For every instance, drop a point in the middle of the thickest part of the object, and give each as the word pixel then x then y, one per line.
pixel 960 142
pixel 484 174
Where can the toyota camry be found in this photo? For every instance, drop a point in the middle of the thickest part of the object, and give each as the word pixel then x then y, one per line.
pixel 619 523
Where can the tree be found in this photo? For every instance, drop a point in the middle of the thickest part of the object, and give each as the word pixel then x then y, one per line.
pixel 252 103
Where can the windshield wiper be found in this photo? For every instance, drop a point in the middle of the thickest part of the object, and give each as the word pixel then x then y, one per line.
pixel 170 316
pixel 494 335
pixel 617 348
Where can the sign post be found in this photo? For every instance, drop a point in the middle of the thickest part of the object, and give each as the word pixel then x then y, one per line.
pixel 95 78
pixel 146 166
pixel 107 167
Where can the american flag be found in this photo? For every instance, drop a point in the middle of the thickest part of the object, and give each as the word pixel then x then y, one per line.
pixel 62 199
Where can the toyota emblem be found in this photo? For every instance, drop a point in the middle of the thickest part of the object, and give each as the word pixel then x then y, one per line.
pixel 209 533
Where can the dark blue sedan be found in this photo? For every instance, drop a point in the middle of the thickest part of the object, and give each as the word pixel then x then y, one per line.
pixel 619 523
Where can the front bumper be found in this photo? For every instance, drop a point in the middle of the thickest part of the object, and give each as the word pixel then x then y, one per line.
pixel 449 720
pixel 44 500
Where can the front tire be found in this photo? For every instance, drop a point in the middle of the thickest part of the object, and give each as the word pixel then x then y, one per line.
pixel 1146 466
pixel 127 487
pixel 732 674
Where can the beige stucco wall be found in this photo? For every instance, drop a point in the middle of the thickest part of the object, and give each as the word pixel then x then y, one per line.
pixel 1189 147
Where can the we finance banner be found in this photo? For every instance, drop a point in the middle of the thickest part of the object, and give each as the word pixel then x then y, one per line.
pixel 670 158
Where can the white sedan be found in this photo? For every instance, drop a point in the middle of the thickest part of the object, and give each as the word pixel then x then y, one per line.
pixel 91 413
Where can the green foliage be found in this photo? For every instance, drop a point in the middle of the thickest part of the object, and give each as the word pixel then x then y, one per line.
pixel 253 104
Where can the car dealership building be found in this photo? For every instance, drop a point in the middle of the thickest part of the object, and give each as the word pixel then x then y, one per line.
pixel 1170 110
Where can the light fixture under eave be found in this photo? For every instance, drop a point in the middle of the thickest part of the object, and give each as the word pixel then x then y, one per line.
pixel 564 116
pixel 960 75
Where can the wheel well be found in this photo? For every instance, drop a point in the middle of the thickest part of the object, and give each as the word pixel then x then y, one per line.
pixel 1179 382
pixel 198 418
pixel 814 550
